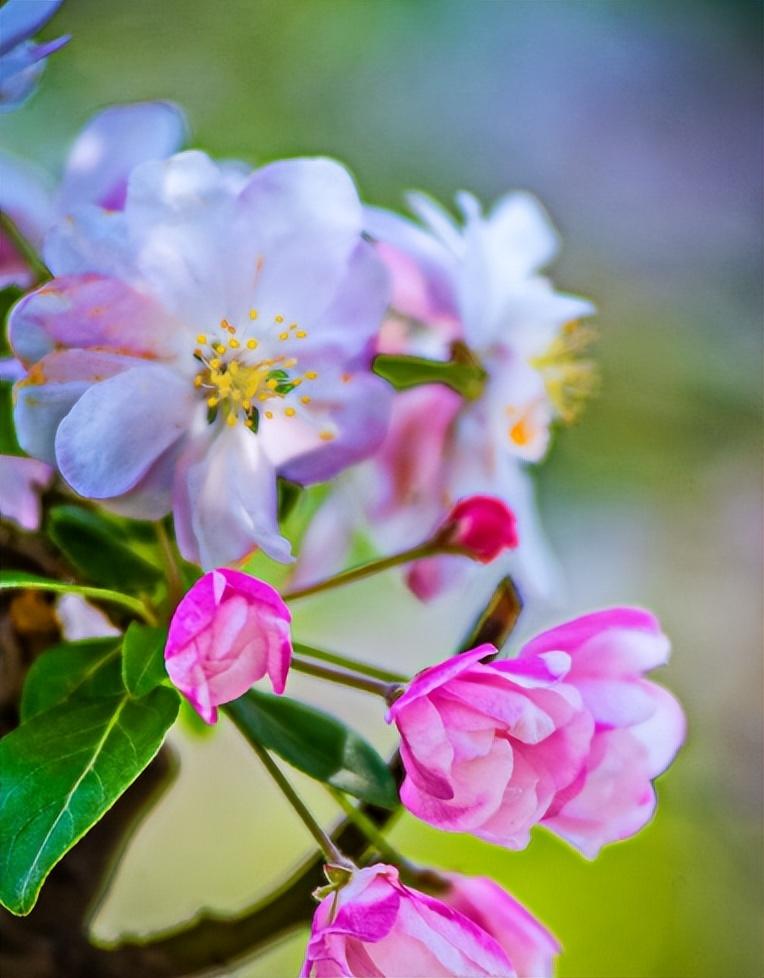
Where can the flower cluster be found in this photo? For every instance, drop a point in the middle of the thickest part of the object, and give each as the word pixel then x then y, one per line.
pixel 198 340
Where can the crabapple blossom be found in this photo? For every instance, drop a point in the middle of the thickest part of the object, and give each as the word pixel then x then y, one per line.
pixel 212 335
pixel 480 285
pixel 638 725
pixel 21 60
pixel 375 925
pixel 109 146
pixel 568 734
pixel 228 631
pixel 487 746
pixel 527 943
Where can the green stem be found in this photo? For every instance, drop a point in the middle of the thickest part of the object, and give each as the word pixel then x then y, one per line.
pixel 25 248
pixel 174 580
pixel 328 848
pixel 99 594
pixel 340 660
pixel 426 549
pixel 367 827
pixel 366 683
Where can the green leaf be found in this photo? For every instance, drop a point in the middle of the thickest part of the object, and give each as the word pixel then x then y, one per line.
pixel 60 771
pixel 100 549
pixel 19 580
pixel 316 743
pixel 403 372
pixel 86 670
pixel 143 658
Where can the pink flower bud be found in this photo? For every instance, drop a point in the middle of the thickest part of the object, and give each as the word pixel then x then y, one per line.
pixel 374 925
pixel 482 526
pixel 229 630
pixel 528 945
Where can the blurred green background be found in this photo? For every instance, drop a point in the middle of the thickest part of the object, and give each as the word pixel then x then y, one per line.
pixel 638 124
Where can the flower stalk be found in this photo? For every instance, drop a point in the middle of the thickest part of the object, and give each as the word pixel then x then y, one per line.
pixel 368 569
pixel 329 849
pixel 334 658
pixel 388 691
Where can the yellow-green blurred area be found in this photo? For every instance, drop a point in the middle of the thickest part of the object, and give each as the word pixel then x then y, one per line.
pixel 638 124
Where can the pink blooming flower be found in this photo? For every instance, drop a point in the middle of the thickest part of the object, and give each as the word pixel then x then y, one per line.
pixel 212 335
pixel 639 726
pixel 487 746
pixel 374 925
pixel 528 945
pixel 483 526
pixel 569 734
pixel 101 158
pixel 21 482
pixel 229 631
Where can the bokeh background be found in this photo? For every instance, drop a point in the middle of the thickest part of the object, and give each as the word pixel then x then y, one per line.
pixel 639 126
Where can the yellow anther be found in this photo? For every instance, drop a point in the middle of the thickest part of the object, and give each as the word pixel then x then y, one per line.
pixel 273 384
pixel 293 325
pixel 234 344
pixel 291 362
pixel 219 348
pixel 212 402
pixel 269 415
pixel 201 338
pixel 263 397
pixel 304 399
pixel 278 319
pixel 231 420
pixel 310 375
pixel 198 380
pixel 215 363
pixel 253 313
pixel 301 334
pixel 224 324
pixel 326 436
pixel 283 336
pixel 290 412
pixel 233 367
pixel 297 381
pixel 251 344
pixel 246 405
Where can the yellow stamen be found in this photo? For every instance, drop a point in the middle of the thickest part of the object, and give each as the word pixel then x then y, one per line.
pixel 301 334
pixel 283 336
pixel 253 313
pixel 305 399
pixel 201 338
pixel 310 374
pixel 234 344
pixel 326 436
pixel 269 415
pixel 231 420
pixel 278 319
pixel 251 344
pixel 290 412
